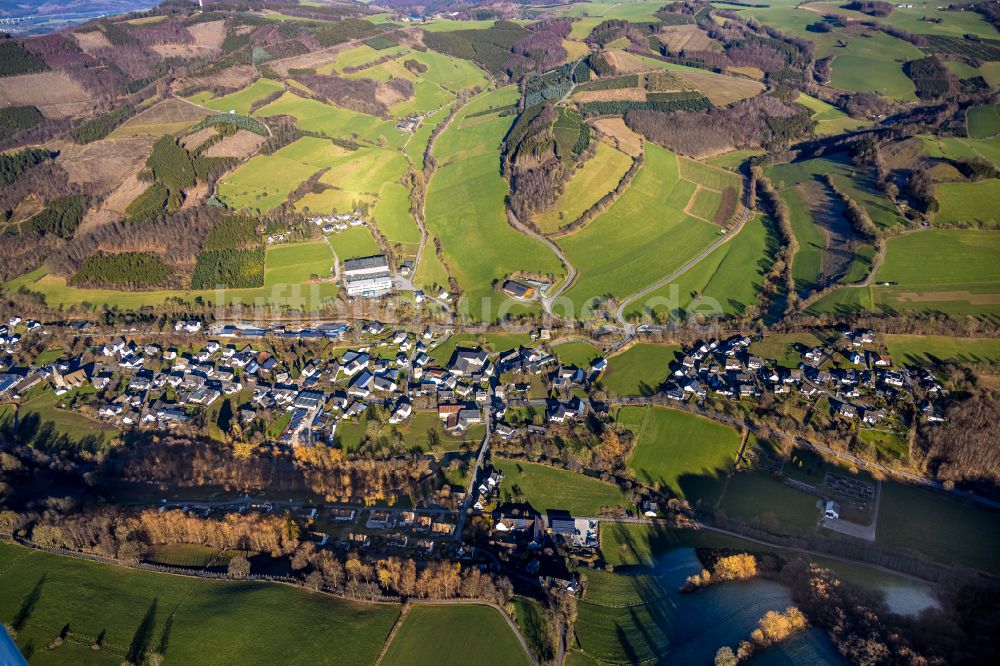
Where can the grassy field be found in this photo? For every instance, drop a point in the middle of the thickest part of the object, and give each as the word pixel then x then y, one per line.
pixel 945 530
pixel 597 177
pixel 65 421
pixel 263 183
pixel 450 635
pixel 984 121
pixel 466 186
pixel 781 347
pixel 392 214
pixel 642 237
pixel 924 349
pixel 354 242
pixel 138 612
pixel 312 151
pixel 580 354
pixel 681 452
pixel 759 500
pixel 330 120
pixel 733 159
pixel 546 488
pixel 968 203
pixel 242 100
pixel 857 183
pixel 829 119
pixel 731 276
pixel 640 369
pixel 296 263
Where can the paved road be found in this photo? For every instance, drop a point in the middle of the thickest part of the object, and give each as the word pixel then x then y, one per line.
pixel 730 234
pixel 569 268
pixel 483 449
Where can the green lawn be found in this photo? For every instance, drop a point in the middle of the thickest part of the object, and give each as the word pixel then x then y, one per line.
pixel 66 422
pixel 242 100
pixel 605 588
pixel 761 501
pixel 263 183
pixel 684 454
pixel 871 64
pixel 943 259
pixel 452 636
pixel 943 529
pixel 580 354
pixel 295 263
pixel 984 121
pixel 969 203
pixel 493 342
pixel 312 151
pixel 640 369
pixel 642 237
pixel 354 242
pixel 781 347
pixel 392 214
pixel 829 119
pixel 130 610
pixel 546 488
pixel 597 177
pixel 725 282
pixel 922 349
pixel 333 121
pixel 466 187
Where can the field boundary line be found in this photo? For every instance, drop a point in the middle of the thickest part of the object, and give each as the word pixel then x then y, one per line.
pixel 392 633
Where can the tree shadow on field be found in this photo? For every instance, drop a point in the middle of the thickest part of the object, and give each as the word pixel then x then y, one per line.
pixel 143 636
pixel 28 605
pixel 165 635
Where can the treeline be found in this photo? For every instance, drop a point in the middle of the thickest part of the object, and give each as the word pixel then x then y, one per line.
pixel 663 102
pixel 235 120
pixel 115 533
pixel 870 7
pixel 122 270
pixel 932 79
pixel 232 269
pixel 531 161
pixel 60 217
pixel 197 463
pixel 760 122
pixel 779 279
pixel 17 119
pixel 176 237
pixel 14 59
pixel 861 223
pixel 13 165
pixel 101 126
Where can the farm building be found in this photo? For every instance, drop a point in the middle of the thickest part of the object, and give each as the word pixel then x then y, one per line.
pixel 517 289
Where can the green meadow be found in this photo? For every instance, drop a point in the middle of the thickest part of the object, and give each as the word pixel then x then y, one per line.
pixel 597 177
pixel 241 100
pixel 133 614
pixel 354 242
pixel 580 354
pixel 454 635
pixel 263 183
pixel 968 203
pixel 465 210
pixel 547 488
pixel 949 271
pixel 922 349
pixel 829 119
pixel 983 121
pixel 640 369
pixel 684 454
pixel 641 238
pixel 732 275
pixel 330 120
pixel 946 530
